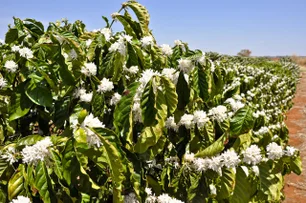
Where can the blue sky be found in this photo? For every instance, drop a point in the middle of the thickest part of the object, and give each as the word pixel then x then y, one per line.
pixel 266 27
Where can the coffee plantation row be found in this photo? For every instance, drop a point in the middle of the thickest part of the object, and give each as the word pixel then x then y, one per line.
pixel 96 116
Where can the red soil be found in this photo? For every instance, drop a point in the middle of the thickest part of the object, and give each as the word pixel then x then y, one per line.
pixel 295 186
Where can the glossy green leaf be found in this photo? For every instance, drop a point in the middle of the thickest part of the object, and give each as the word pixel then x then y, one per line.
pixel 43 183
pixel 39 94
pixel 242 121
pixel 16 183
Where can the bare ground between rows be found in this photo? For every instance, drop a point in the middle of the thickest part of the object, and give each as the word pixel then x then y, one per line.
pixel 295 186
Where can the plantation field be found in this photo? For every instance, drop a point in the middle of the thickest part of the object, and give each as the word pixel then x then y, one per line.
pixel 96 116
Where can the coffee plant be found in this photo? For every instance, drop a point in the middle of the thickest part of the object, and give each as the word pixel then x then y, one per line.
pixel 97 116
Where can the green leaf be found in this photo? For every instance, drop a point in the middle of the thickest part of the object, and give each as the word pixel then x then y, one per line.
pixel 68 156
pixel 148 138
pixel 214 148
pixel 151 134
pixel 201 83
pixel 242 121
pixel 16 183
pixel 243 141
pixel 29 140
pixel 142 15
pixel 39 94
pixel 296 165
pixel 271 184
pixel 148 105
pixel 114 158
pixel 57 164
pixel 65 74
pixel 244 188
pixel 11 36
pixel 227 184
pixel 97 103
pixel 3 166
pixel 34 26
pixel 182 91
pixel 170 94
pixel 43 183
pixel 123 118
pixel 62 111
pixel 19 104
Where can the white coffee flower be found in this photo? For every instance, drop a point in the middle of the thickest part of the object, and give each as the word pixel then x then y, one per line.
pixel 107 33
pixel 137 112
pixel 252 155
pixel 21 199
pixel 92 122
pixel 218 113
pixel 289 151
pixel 166 49
pixel 148 191
pixel 11 66
pixel 202 60
pixel 105 85
pixel 72 54
pixel 236 105
pixel 130 198
pixel 147 75
pixel 9 155
pixel 164 198
pixel 147 41
pixel 216 164
pixel 118 46
pixel 212 189
pixel 125 37
pixel 132 69
pixel 187 121
pixel 178 42
pixel 89 69
pixel 185 65
pixel 189 157
pixel 86 97
pixel 200 118
pixel 255 169
pixel 115 99
pixel 245 170
pixel 201 165
pixel 171 73
pixel 26 53
pixel 274 151
pixel 88 42
pixel 3 83
pixel 15 48
pixel 78 92
pixel 230 159
pixel 37 152
pixel 170 124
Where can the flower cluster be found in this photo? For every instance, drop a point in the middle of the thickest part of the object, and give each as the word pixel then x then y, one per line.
pixel 89 69
pixel 10 155
pixel 198 118
pixel 218 113
pixel 37 152
pixel 81 93
pixel 91 122
pixel 163 198
pixel 21 199
pixel 105 86
pixel 11 66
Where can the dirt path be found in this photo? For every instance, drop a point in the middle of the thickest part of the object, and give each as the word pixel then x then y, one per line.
pixel 295 187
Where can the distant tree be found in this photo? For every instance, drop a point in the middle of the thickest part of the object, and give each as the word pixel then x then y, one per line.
pixel 244 52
